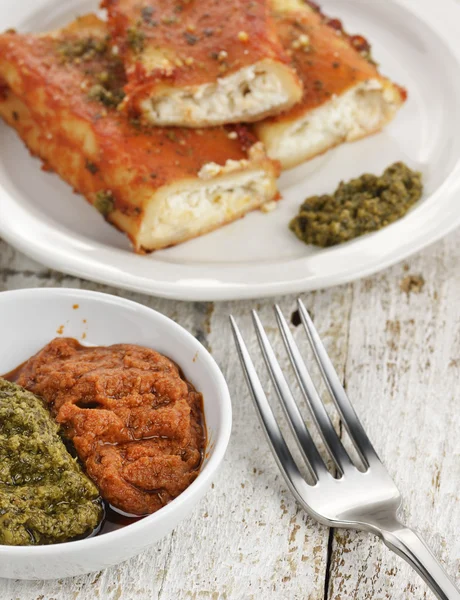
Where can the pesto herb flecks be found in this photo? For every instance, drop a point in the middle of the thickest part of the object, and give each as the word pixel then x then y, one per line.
pixel 147 14
pixel 92 167
pixel 172 135
pixel 107 97
pixel 357 207
pixel 83 49
pixel 104 202
pixel 136 39
pixel 190 38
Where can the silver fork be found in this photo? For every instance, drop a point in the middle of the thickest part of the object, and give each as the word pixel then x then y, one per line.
pixel 368 500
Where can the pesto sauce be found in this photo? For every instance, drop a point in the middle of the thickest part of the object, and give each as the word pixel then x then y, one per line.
pixel 45 497
pixel 91 53
pixel 106 96
pixel 136 39
pixel 104 202
pixel 362 205
pixel 83 49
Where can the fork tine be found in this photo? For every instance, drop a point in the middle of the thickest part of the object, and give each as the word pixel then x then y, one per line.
pixel 279 448
pixel 347 412
pixel 291 410
pixel 319 412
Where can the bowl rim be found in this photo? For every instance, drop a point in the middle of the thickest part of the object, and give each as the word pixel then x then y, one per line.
pixel 220 442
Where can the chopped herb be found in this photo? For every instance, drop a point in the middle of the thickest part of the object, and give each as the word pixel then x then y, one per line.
pixel 298 25
pixel 190 38
pixel 135 122
pixel 147 13
pixel 82 49
pixel 169 20
pixel 360 206
pixel 103 77
pixel 336 65
pixel 172 135
pixel 104 202
pixel 92 168
pixel 15 115
pixel 136 39
pixel 153 175
pixel 110 98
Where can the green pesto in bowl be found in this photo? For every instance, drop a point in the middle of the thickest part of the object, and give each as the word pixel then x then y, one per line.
pixel 45 498
pixel 362 205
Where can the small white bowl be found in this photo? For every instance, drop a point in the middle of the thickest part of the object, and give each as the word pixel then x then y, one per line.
pixel 29 319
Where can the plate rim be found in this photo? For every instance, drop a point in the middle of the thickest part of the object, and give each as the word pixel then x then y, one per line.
pixel 74 259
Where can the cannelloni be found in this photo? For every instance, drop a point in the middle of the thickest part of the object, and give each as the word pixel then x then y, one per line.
pixel 202 62
pixel 344 99
pixel 161 186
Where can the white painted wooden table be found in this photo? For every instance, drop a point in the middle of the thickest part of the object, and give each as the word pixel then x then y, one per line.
pixel 399 355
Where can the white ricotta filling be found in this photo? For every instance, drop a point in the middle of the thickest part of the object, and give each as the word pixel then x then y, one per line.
pixel 249 92
pixel 184 212
pixel 361 110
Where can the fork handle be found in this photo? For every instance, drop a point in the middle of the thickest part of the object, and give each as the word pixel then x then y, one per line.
pixel 410 546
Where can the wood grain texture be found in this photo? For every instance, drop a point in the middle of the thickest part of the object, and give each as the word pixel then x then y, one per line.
pixel 402 374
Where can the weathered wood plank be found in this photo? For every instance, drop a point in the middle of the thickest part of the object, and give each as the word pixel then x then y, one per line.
pixel 12 262
pixel 255 542
pixel 402 375
pixel 192 316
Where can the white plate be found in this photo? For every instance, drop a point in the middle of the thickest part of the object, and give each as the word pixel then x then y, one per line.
pixel 417 44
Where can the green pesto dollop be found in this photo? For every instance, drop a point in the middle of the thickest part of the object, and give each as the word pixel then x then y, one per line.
pixel 45 498
pixel 362 205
